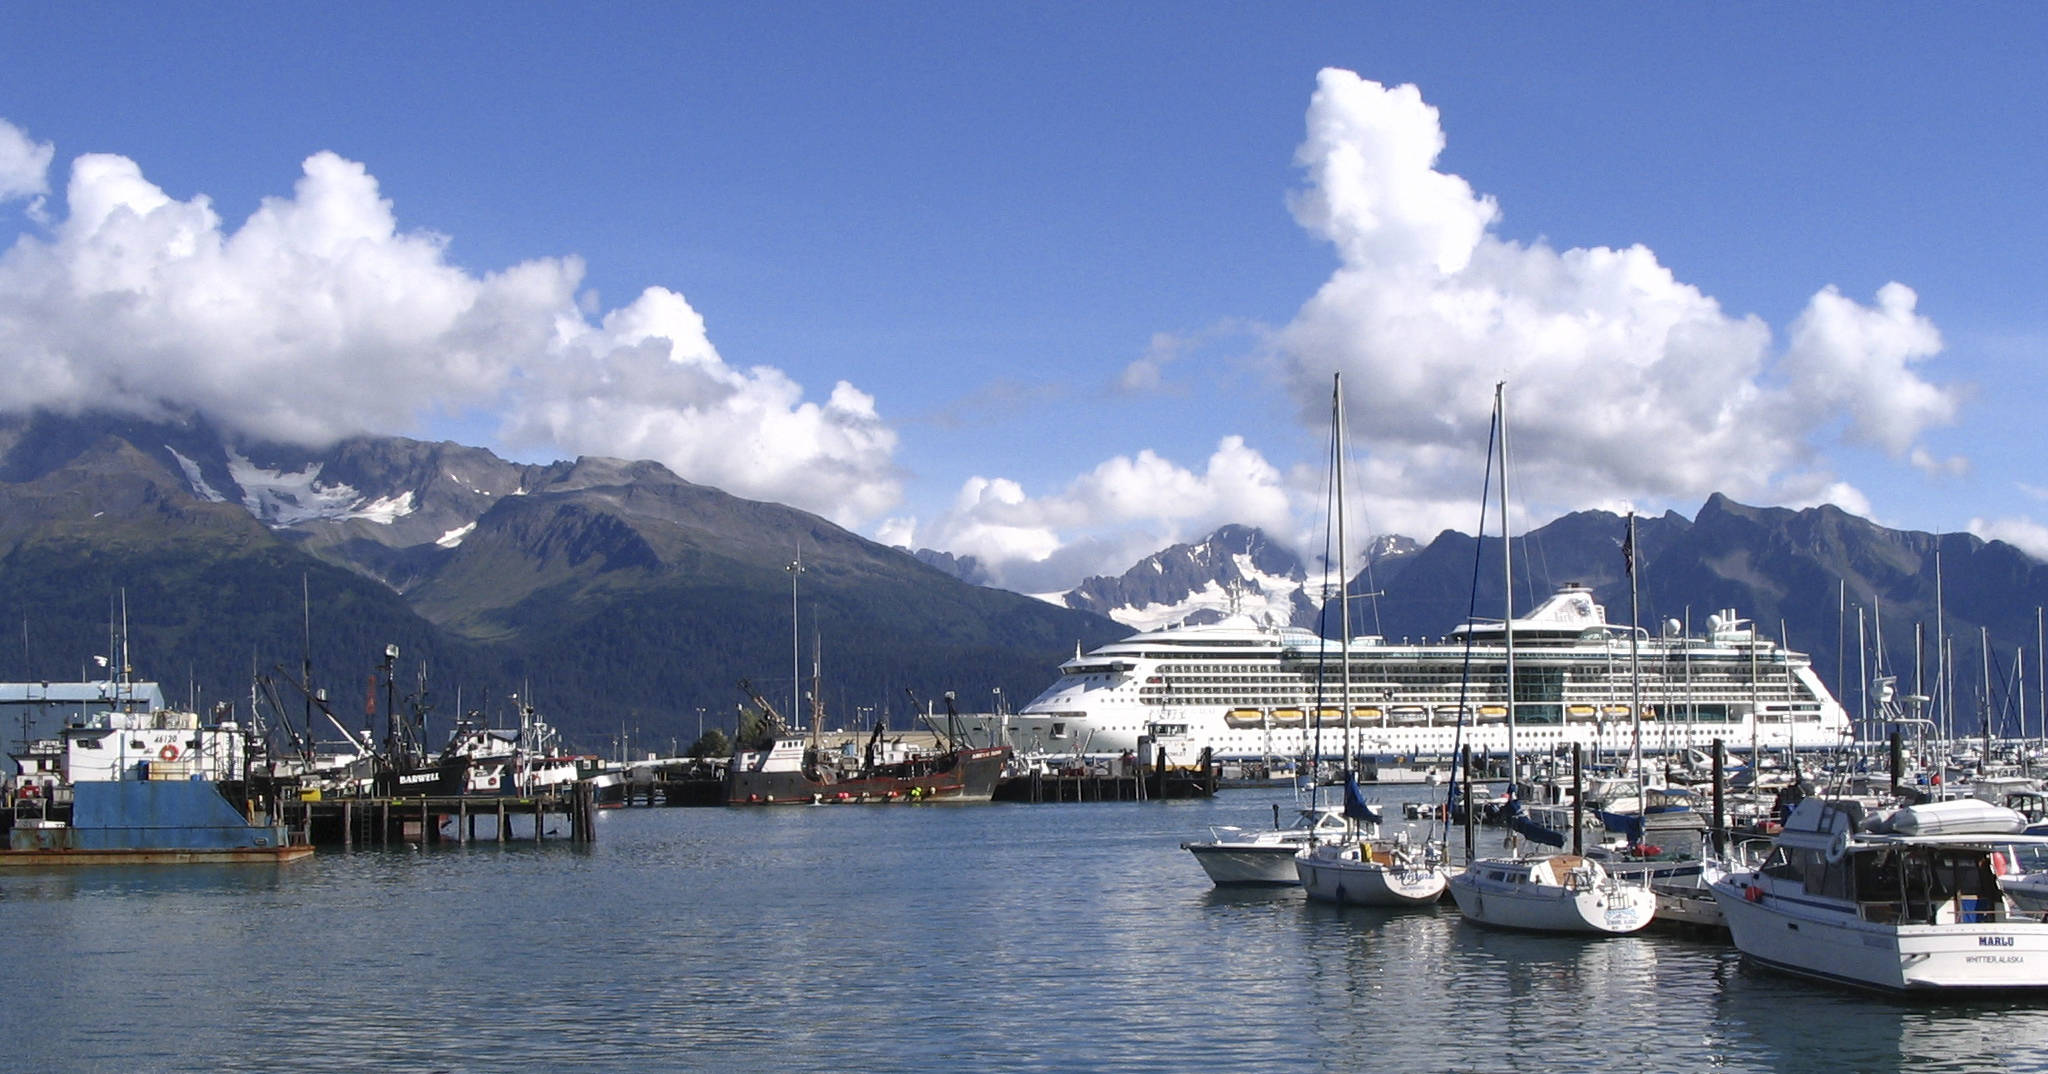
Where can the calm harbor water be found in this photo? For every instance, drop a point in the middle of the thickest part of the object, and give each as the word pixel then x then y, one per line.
pixel 1044 937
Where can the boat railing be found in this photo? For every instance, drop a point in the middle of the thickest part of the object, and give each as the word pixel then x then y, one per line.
pixel 1960 909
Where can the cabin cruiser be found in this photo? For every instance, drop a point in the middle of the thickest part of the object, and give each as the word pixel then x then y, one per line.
pixel 1231 856
pixel 1913 901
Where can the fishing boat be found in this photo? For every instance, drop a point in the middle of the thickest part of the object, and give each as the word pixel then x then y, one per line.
pixel 1231 856
pixel 1912 901
pixel 141 788
pixel 793 769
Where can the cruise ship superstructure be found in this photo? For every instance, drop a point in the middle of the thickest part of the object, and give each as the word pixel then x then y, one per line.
pixel 1249 690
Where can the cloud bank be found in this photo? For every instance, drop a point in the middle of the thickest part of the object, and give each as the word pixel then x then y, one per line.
pixel 1626 386
pixel 318 318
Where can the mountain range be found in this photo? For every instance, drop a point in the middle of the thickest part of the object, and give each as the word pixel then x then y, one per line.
pixel 626 603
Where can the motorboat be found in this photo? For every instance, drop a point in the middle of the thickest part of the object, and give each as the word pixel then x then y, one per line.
pixel 1913 901
pixel 1233 856
pixel 1552 893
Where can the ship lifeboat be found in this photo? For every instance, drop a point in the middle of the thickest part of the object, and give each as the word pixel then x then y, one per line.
pixel 1580 713
pixel 1329 717
pixel 1616 712
pixel 1289 717
pixel 1493 714
pixel 1242 718
pixel 1367 716
pixel 1407 716
pixel 1453 715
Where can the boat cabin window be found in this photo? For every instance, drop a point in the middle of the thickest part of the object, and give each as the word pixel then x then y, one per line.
pixel 1782 864
pixel 1825 878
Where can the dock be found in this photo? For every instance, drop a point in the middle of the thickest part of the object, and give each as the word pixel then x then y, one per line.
pixel 1119 781
pixel 419 821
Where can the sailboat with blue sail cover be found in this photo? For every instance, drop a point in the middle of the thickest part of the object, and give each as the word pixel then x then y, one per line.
pixel 1552 892
pixel 1363 868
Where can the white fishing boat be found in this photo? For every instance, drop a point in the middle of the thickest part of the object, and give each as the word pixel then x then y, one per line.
pixel 1233 856
pixel 1914 902
pixel 1552 893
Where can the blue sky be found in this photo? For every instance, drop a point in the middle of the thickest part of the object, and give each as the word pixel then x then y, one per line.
pixel 1058 284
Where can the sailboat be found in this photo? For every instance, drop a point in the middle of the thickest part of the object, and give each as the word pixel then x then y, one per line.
pixel 1363 868
pixel 1555 892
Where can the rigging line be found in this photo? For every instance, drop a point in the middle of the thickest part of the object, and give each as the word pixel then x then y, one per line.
pixel 1471 613
pixel 1323 619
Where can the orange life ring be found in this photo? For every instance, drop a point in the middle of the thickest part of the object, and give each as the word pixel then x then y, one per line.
pixel 1753 893
pixel 169 752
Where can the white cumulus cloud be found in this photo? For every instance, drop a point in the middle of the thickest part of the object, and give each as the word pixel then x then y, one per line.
pixel 1623 381
pixel 1626 385
pixel 319 317
pixel 2022 533
pixel 24 164
pixel 1123 510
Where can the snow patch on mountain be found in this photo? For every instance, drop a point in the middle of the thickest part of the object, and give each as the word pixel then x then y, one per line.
pixel 283 499
pixel 1213 602
pixel 195 479
pixel 454 537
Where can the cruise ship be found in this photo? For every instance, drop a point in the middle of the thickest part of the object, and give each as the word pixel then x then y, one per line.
pixel 1247 690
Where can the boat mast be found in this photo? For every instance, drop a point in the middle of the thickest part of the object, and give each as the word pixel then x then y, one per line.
pixel 1343 582
pixel 1635 675
pixel 1984 710
pixel 796 690
pixel 1507 563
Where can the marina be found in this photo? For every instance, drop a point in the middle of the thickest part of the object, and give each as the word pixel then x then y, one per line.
pixel 666 944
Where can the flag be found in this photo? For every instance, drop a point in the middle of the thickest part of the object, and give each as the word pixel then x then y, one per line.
pixel 1628 546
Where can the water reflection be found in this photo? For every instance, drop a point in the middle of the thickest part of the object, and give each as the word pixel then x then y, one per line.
pixel 1024 938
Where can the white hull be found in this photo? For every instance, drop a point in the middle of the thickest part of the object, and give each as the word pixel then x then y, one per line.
pixel 1603 907
pixel 1824 943
pixel 1341 875
pixel 1247 863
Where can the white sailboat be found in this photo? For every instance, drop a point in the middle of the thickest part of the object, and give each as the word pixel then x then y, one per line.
pixel 1363 868
pixel 1551 893
pixel 1368 869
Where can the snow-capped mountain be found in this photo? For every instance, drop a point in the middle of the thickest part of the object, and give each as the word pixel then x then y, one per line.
pixel 1236 569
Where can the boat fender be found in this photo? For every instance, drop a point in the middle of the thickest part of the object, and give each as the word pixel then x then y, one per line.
pixel 1753 893
pixel 1997 863
pixel 1838 846
pixel 169 752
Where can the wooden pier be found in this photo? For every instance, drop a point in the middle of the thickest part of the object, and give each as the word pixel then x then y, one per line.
pixel 1135 783
pixel 419 821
